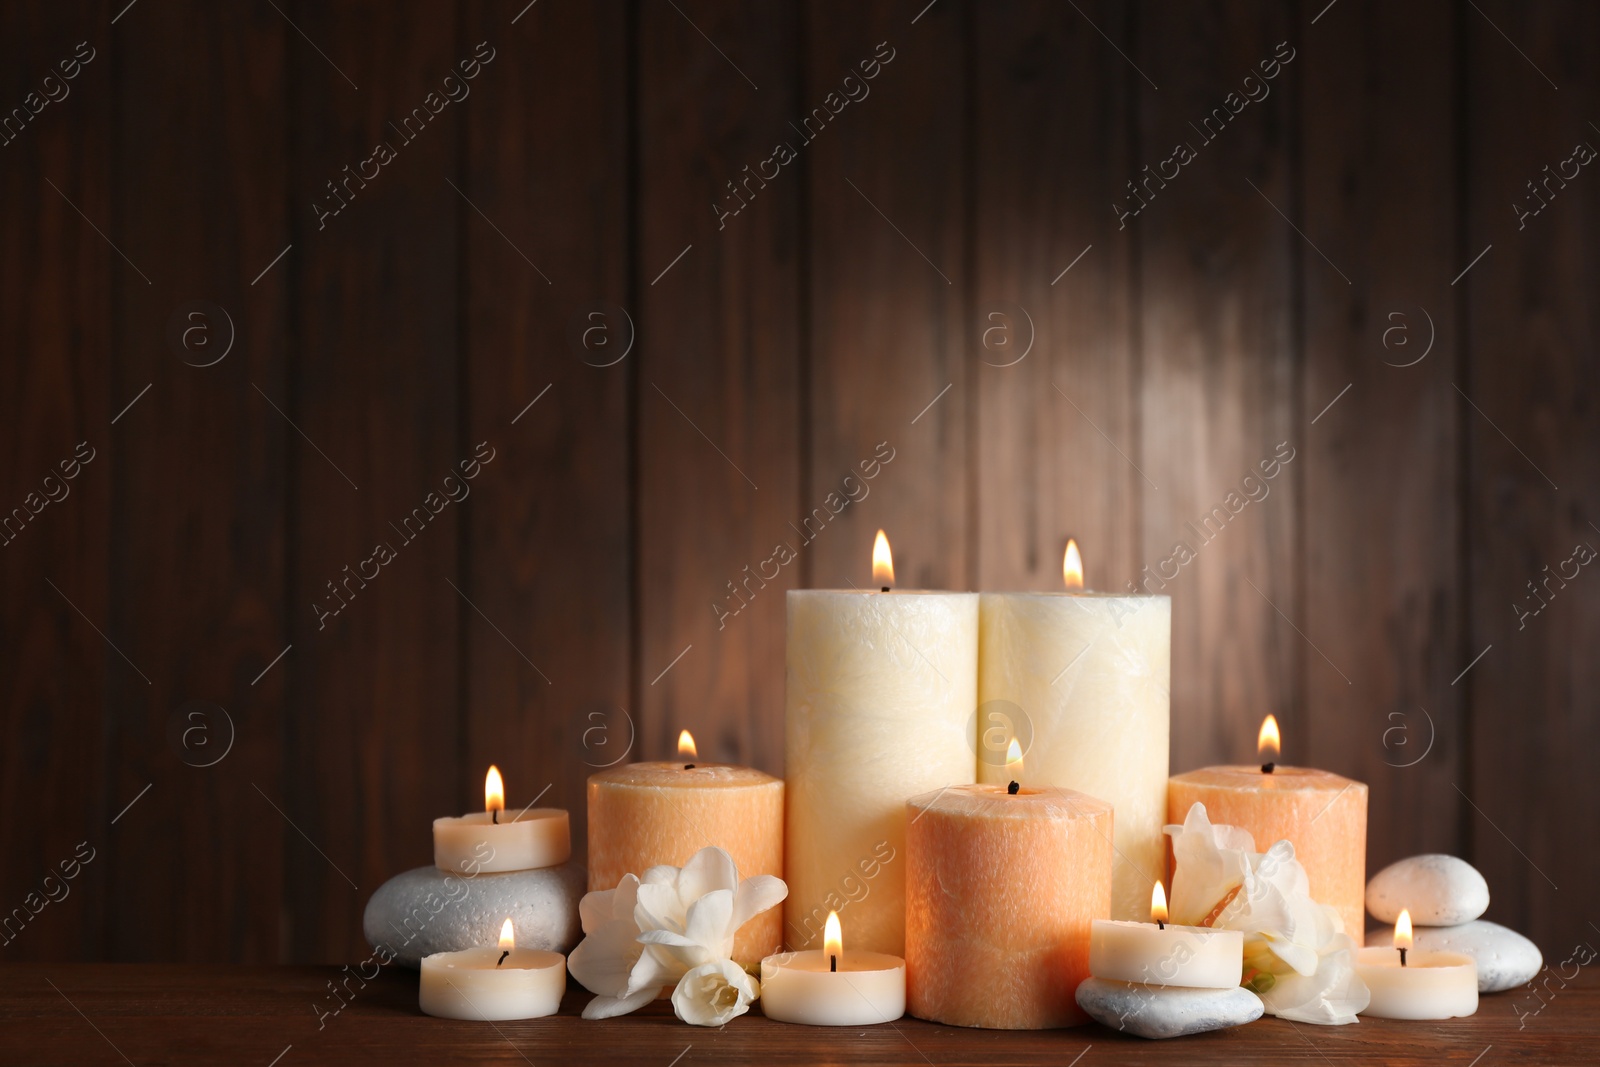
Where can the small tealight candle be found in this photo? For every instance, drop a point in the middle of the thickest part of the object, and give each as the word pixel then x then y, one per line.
pixel 1417 985
pixel 1160 954
pixel 489 841
pixel 493 984
pixel 829 987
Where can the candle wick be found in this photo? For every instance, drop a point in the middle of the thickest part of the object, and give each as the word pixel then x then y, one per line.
pixel 504 953
pixel 1268 768
pixel 1161 924
pixel 688 766
pixel 833 963
pixel 1013 787
pixel 1402 957
pixel 495 816
pixel 885 589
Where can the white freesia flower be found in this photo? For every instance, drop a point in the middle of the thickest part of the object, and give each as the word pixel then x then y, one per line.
pixel 643 937
pixel 1296 954
pixel 713 993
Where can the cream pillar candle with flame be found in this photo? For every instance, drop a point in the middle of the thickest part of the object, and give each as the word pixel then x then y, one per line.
pixel 1322 814
pixel 645 814
pixel 493 984
pixel 832 987
pixel 1427 985
pixel 1002 890
pixel 493 840
pixel 1159 953
pixel 881 691
pixel 1081 679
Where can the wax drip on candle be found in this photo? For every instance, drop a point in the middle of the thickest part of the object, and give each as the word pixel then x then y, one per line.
pixel 1268 744
pixel 882 562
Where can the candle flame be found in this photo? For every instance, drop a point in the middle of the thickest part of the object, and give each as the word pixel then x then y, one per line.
pixel 494 790
pixel 1268 742
pixel 1014 760
pixel 686 745
pixel 882 561
pixel 1158 904
pixel 508 937
pixel 1072 566
pixel 1402 930
pixel 832 936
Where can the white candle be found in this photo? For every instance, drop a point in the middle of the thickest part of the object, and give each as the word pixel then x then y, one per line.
pixel 829 987
pixel 493 983
pixel 492 841
pixel 1160 954
pixel 880 699
pixel 1417 985
pixel 1082 679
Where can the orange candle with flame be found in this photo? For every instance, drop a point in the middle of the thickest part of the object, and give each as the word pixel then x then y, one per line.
pixel 1322 814
pixel 1002 890
pixel 882 683
pixel 645 814
pixel 495 840
pixel 1081 679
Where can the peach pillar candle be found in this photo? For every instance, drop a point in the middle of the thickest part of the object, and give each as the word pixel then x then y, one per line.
pixel 1082 678
pixel 645 814
pixel 879 708
pixel 1322 814
pixel 1002 890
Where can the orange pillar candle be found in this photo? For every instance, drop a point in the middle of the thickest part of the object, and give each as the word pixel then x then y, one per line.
pixel 645 814
pixel 1322 814
pixel 1001 892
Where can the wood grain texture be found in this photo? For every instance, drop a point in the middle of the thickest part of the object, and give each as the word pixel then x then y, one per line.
pixel 889 324
pixel 201 478
pixel 1528 405
pixel 373 746
pixel 56 280
pixel 1053 339
pixel 205 1015
pixel 547 661
pixel 719 376
pixel 1382 465
pixel 1218 362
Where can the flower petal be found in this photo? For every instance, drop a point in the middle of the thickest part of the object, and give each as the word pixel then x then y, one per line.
pixel 658 908
pixel 607 1007
pixel 755 895
pixel 604 959
pixel 710 922
pixel 707 871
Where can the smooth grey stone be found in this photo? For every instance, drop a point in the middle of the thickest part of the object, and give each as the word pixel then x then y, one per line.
pixel 427 910
pixel 1505 958
pixel 1438 890
pixel 1166 1011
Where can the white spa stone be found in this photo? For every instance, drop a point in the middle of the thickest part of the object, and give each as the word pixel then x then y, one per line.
pixel 1505 958
pixel 427 910
pixel 1166 1011
pixel 1438 890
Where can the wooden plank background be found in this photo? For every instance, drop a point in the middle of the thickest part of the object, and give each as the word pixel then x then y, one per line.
pixel 591 261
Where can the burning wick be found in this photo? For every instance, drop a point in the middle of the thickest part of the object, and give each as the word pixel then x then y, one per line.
pixel 494 816
pixel 833 961
pixel 1013 787
pixel 1268 767
pixel 688 766
pixel 502 958
pixel 1402 957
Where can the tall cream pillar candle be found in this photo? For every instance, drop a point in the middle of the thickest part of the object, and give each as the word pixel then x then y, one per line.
pixel 880 699
pixel 1081 680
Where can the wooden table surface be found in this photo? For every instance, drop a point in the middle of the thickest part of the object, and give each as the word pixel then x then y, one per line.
pixel 176 1014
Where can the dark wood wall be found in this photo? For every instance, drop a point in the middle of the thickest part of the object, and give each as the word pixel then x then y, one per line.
pixel 968 265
